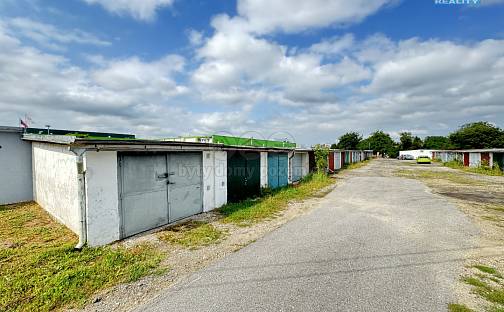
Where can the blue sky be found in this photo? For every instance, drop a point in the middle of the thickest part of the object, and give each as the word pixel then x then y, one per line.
pixel 309 70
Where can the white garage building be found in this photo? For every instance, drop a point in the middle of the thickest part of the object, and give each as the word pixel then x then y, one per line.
pixel 109 189
pixel 102 189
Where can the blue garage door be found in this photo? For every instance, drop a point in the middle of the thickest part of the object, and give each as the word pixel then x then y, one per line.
pixel 278 164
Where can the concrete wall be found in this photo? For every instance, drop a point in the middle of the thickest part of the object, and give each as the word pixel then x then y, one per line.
pixel 214 179
pixel 102 198
pixel 264 169
pixel 55 186
pixel 15 169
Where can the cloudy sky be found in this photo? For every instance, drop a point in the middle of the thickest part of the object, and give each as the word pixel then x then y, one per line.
pixel 308 70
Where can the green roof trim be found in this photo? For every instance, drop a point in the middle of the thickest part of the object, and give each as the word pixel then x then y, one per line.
pixel 239 141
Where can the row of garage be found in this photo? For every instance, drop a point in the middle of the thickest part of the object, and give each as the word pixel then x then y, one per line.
pixel 109 189
pixel 337 159
pixel 472 158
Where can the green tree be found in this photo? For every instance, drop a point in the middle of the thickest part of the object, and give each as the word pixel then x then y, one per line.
pixel 321 153
pixel 437 142
pixel 334 146
pixel 381 142
pixel 417 143
pixel 349 141
pixel 480 134
pixel 406 140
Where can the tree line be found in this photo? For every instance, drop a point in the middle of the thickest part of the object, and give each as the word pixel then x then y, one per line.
pixel 480 134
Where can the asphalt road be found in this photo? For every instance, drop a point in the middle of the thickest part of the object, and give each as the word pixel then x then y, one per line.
pixel 376 243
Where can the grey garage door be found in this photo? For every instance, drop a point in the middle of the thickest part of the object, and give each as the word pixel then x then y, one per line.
pixel 158 188
pixel 297 167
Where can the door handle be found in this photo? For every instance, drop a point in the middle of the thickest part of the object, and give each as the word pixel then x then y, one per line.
pixel 163 176
pixel 170 182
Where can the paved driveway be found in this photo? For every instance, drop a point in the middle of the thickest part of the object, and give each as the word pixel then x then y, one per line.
pixel 376 243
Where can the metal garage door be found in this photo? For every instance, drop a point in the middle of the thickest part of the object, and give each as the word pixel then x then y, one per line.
pixel 278 164
pixel 244 174
pixel 337 160
pixel 498 159
pixel 297 167
pixel 474 159
pixel 158 188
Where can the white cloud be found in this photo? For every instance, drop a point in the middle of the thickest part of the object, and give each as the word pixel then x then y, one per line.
pixel 128 95
pixel 195 37
pixel 234 61
pixel 264 16
pixel 144 10
pixel 133 74
pixel 334 46
pixel 49 36
pixel 430 86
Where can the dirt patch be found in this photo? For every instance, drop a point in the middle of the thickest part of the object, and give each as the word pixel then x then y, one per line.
pixel 476 196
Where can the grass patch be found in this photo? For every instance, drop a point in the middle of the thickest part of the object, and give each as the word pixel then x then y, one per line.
pixel 496 207
pixel 254 210
pixel 487 269
pixel 473 281
pixel 357 165
pixel 492 218
pixel 192 234
pixel 485 170
pixel 454 307
pixel 437 175
pixel 39 269
pixel 494 295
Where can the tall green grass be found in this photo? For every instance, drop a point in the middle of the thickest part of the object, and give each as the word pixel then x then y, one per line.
pixel 41 271
pixel 255 210
pixel 483 169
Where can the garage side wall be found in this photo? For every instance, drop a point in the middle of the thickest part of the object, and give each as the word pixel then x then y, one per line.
pixel 306 165
pixel 15 169
pixel 55 186
pixel 214 179
pixel 102 198
pixel 264 169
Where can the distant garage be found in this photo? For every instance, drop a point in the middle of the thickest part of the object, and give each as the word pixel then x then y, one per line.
pixel 300 164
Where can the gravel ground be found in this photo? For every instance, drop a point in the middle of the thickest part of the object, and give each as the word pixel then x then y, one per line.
pixel 181 262
pixel 481 198
pixel 376 243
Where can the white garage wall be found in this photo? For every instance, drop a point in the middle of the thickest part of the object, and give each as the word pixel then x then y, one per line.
pixel 264 169
pixel 15 168
pixel 102 198
pixel 214 179
pixel 55 186
pixel 220 178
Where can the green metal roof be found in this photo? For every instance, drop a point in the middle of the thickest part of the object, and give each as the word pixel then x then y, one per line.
pixel 239 141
